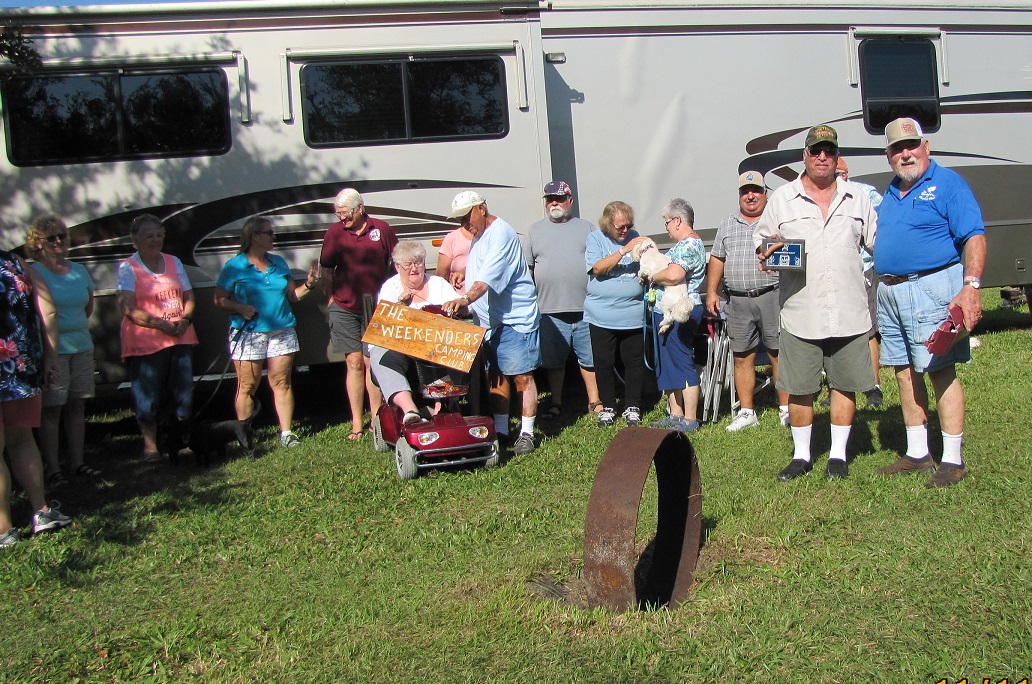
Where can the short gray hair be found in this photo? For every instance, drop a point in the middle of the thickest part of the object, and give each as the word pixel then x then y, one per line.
pixel 408 250
pixel 348 197
pixel 680 207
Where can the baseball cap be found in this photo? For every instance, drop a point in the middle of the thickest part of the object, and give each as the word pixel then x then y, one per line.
pixel 751 178
pixel 822 133
pixel 557 188
pixel 902 129
pixel 464 203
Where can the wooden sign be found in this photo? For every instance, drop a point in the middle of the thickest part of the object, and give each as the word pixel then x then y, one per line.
pixel 426 336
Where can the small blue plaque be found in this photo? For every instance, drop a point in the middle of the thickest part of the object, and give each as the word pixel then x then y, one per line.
pixel 791 257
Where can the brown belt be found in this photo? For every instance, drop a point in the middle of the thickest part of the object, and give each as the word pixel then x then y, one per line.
pixel 889 279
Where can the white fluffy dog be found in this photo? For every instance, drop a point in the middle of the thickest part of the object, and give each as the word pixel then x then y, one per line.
pixel 676 304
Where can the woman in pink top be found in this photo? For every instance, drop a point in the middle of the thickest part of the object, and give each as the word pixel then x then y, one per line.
pixel 157 303
pixel 451 259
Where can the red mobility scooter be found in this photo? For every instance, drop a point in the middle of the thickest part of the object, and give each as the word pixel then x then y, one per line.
pixel 445 438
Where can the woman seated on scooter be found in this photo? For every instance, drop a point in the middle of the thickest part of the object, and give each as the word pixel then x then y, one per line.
pixel 411 287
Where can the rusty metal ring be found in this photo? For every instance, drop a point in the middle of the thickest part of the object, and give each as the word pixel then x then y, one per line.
pixel 612 518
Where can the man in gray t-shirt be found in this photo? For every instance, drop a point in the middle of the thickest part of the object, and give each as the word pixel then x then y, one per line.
pixel 555 255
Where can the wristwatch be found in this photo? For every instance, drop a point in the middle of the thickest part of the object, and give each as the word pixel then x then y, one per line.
pixel 973 281
pixel 466 297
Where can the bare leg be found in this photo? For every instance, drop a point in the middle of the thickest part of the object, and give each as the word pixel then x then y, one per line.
pixel 745 377
pixel 249 374
pixel 875 356
pixel 280 369
pixel 913 396
pixel 590 386
pixel 843 407
pixel 525 383
pixel 26 464
pixel 75 431
pixel 499 393
pixel 949 400
pixel 374 393
pixel 404 401
pixel 782 396
pixel 691 402
pixel 5 491
pixel 50 438
pixel 800 409
pixel 149 432
pixel 556 377
pixel 356 386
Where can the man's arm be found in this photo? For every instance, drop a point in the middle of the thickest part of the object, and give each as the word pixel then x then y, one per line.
pixel 714 272
pixel 969 299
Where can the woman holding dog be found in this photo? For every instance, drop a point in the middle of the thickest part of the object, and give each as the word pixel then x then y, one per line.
pixel 676 373
pixel 65 294
pixel 612 309
pixel 157 304
pixel 257 288
pixel 411 286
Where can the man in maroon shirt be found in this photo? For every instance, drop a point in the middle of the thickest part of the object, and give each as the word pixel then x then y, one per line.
pixel 355 260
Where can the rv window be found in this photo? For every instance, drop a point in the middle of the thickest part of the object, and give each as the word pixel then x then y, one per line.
pixel 898 77
pixel 66 118
pixel 403 101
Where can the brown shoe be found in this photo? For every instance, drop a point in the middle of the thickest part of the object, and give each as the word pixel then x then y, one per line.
pixel 906 465
pixel 947 474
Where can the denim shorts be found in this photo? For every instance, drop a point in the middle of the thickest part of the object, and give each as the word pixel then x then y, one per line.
pixel 559 334
pixel 162 379
pixel 258 346
pixel 910 311
pixel 513 353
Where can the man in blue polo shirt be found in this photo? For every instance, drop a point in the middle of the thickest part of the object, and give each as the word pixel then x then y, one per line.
pixel 929 256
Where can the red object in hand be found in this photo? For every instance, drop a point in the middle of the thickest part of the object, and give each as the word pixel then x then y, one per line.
pixel 943 338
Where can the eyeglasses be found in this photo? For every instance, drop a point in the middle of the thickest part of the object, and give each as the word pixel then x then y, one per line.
pixel 341 214
pixel 57 237
pixel 626 226
pixel 556 198
pixel 666 222
pixel 822 148
pixel 410 265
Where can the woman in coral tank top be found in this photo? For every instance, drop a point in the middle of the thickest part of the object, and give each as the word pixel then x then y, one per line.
pixel 156 300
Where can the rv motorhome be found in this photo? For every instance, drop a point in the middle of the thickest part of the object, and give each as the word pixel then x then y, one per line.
pixel 208 113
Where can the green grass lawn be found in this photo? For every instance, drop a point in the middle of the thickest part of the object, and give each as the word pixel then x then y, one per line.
pixel 318 565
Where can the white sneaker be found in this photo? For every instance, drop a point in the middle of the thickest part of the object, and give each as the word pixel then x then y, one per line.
pixel 746 418
pixel 784 418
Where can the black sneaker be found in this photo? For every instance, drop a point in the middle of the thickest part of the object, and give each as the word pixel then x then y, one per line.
pixel 874 397
pixel 796 468
pixel 524 444
pixel 837 469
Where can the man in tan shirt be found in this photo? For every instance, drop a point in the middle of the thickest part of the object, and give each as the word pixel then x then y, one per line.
pixel 824 313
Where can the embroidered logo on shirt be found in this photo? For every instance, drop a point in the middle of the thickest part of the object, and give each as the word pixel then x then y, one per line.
pixel 374 234
pixel 928 194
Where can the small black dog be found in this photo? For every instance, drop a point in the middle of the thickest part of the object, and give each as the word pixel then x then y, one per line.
pixel 212 436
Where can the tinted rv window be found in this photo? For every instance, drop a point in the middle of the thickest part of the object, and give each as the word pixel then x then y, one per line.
pixel 62 118
pixel 403 101
pixel 898 77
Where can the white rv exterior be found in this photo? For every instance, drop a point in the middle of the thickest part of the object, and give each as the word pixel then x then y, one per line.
pixel 638 101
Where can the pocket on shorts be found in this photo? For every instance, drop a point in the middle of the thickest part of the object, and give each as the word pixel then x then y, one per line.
pixel 938 290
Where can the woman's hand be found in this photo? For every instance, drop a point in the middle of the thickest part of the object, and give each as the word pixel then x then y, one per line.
pixel 457 279
pixel 180 327
pixel 247 311
pixel 631 244
pixel 313 275
pixel 406 298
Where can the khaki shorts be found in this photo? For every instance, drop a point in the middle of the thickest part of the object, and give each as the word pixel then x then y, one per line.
pixel 846 361
pixel 73 379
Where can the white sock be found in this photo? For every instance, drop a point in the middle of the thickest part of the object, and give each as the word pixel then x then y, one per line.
pixel 917 441
pixel 951 449
pixel 801 440
pixel 839 437
pixel 284 433
pixel 746 412
pixel 783 408
pixel 501 424
pixel 527 424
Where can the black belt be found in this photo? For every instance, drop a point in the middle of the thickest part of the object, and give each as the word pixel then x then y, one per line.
pixel 755 292
pixel 889 279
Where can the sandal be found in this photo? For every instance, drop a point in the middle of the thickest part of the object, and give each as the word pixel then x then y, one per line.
pixel 412 418
pixel 86 471
pixel 553 411
pixel 595 407
pixel 57 480
pixel 355 436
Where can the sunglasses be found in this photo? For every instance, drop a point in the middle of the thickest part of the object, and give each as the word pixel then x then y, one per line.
pixel 817 150
pixel 626 226
pixel 59 237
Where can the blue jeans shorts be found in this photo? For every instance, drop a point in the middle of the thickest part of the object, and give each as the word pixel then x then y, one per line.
pixel 513 353
pixel 561 333
pixel 908 313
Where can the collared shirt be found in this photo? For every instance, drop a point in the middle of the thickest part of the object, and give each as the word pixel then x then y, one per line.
pixel 876 200
pixel 829 298
pixel 734 246
pixel 360 263
pixel 265 290
pixel 928 227
pixel 496 259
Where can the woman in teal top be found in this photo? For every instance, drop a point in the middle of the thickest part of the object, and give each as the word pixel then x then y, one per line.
pixel 257 287
pixel 66 302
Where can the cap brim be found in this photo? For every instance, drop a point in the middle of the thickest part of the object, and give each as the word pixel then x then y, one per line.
pixel 459 213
